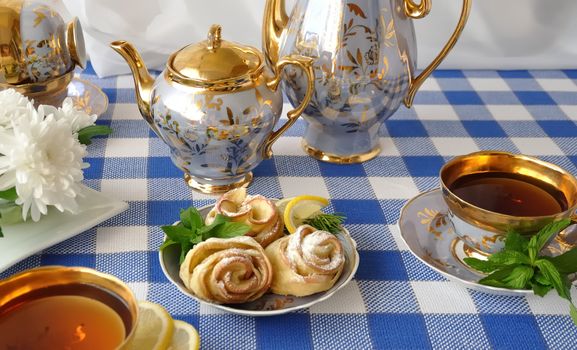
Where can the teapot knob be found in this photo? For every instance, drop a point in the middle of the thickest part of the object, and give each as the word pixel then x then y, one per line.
pixel 214 37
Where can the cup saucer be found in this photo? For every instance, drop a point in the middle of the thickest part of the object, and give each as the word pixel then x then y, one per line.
pixel 425 228
pixel 87 96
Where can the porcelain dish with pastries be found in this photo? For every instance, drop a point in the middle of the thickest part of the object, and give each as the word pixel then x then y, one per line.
pixel 256 297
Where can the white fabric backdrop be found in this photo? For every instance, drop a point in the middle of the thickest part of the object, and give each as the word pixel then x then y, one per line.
pixel 503 34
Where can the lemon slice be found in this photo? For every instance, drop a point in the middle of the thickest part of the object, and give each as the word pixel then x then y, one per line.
pixel 300 208
pixel 185 337
pixel 154 329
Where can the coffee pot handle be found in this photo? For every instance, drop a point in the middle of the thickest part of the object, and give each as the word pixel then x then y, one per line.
pixel 306 64
pixel 415 11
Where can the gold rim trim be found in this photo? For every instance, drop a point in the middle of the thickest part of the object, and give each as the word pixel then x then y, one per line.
pixel 338 159
pixel 213 189
pixel 43 88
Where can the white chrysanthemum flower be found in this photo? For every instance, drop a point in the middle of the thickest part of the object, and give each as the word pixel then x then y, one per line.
pixel 13 105
pixel 42 158
pixel 77 119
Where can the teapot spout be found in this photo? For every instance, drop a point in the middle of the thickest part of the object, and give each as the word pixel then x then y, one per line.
pixel 274 24
pixel 143 81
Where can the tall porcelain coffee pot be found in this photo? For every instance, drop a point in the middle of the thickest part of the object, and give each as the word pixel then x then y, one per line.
pixel 365 55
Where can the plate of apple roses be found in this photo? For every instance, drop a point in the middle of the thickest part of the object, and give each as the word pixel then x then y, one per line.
pixel 239 256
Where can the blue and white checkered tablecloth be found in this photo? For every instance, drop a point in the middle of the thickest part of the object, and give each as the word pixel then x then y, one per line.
pixel 394 301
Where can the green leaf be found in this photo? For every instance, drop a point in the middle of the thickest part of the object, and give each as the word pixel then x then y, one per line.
pixel 86 134
pixel 9 194
pixel 191 218
pixel 539 289
pixel 541 279
pixel 567 262
pixel 516 242
pixel 184 248
pixel 10 214
pixel 552 274
pixel 573 313
pixel 496 279
pixel 230 230
pixel 519 277
pixel 327 222
pixel 481 265
pixel 178 233
pixel 543 237
pixel 167 243
pixel 509 257
pixel 218 220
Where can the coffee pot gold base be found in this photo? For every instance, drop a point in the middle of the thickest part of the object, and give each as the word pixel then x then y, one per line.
pixel 340 159
pixel 205 185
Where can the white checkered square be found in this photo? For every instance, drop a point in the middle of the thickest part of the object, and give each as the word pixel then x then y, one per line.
pixel 538 146
pixel 124 147
pixel 140 289
pixel 489 84
pixel 436 112
pixel 570 111
pixel 175 302
pixel 296 186
pixel 430 84
pixel 396 233
pixel 207 309
pixel 394 187
pixel 509 112
pixel 550 304
pixel 126 189
pixel 125 111
pixel 443 298
pixel 288 146
pixel 454 146
pixel 124 82
pixel 340 332
pixel 346 301
pixel 388 148
pixel 118 239
pixel 557 84
pixel 388 297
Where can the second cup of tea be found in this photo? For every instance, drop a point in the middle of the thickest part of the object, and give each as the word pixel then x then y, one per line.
pixel 490 193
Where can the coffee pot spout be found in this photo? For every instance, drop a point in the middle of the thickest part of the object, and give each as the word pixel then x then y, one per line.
pixel 274 24
pixel 143 81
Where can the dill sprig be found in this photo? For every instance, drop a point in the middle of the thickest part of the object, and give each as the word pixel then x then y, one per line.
pixel 327 222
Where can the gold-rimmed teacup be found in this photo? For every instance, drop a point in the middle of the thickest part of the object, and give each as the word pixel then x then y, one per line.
pixel 484 230
pixel 76 291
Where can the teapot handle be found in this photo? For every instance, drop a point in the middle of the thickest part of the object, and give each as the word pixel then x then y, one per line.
pixel 415 11
pixel 306 64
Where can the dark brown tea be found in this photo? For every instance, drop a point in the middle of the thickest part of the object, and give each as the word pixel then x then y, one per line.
pixel 509 194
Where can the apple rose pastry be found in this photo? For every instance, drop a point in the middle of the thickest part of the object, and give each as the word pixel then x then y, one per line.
pixel 260 213
pixel 307 262
pixel 227 271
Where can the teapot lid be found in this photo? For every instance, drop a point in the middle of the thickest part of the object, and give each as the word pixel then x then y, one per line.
pixel 215 63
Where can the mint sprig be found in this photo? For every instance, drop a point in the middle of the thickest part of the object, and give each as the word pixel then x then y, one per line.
pixel 520 266
pixel 192 230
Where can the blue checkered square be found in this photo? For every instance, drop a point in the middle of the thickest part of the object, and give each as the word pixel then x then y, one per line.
pixel 290 331
pixel 463 98
pixel 399 331
pixel 559 128
pixel 359 211
pixel 534 98
pixel 512 331
pixel 381 266
pixel 420 166
pixel 405 128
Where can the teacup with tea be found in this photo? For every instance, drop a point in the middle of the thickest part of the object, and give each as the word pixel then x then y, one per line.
pixel 59 307
pixel 490 193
